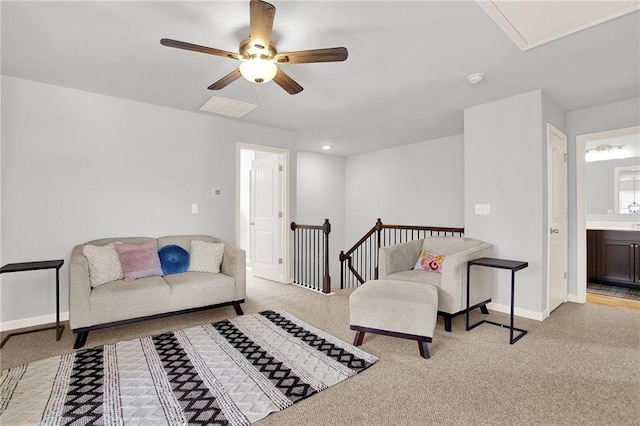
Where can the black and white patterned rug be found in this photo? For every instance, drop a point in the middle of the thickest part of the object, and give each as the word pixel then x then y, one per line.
pixel 231 372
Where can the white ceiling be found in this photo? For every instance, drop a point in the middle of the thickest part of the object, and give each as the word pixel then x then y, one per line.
pixel 405 79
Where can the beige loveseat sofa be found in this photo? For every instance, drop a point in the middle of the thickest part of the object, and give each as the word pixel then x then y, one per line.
pixel 120 302
pixel 397 263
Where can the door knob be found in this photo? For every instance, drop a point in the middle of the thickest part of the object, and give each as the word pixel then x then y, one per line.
pixel 555 230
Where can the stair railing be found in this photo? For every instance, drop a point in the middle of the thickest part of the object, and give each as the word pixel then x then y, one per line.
pixel 311 256
pixel 360 263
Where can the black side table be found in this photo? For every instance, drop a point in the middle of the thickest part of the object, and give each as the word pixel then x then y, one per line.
pixel 36 266
pixel 513 266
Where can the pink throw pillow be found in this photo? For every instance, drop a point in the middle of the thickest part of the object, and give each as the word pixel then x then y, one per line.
pixel 139 260
pixel 429 262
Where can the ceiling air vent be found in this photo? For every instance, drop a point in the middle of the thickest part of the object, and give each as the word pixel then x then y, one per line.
pixel 225 106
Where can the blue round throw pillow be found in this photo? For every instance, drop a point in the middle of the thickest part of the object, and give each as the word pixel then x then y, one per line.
pixel 173 259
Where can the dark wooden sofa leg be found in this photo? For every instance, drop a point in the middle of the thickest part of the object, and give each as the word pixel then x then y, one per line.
pixel 238 309
pixel 484 309
pixel 81 339
pixel 447 323
pixel 357 341
pixel 424 349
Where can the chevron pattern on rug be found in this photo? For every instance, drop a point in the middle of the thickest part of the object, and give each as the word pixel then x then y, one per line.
pixel 232 372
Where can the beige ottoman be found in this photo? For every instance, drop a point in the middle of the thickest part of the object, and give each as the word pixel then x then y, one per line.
pixel 395 308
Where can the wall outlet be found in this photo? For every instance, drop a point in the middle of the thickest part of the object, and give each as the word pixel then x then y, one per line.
pixel 194 208
pixel 483 209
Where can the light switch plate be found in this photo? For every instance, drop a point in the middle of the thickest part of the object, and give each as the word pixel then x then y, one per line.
pixel 483 209
pixel 194 208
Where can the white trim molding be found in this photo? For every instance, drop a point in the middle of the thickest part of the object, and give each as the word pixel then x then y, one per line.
pixel 519 312
pixel 581 210
pixel 32 321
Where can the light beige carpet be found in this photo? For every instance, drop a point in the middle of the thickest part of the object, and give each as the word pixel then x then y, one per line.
pixel 579 366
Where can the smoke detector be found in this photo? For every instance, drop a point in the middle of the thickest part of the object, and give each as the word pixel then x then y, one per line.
pixel 476 78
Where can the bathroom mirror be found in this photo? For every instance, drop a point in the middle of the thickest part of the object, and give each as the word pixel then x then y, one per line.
pixel 611 164
pixel 627 189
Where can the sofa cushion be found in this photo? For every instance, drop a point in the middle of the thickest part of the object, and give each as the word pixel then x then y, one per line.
pixel 450 245
pixel 139 260
pixel 429 262
pixel 104 264
pixel 192 289
pixel 205 256
pixel 184 241
pixel 426 277
pixel 121 300
pixel 173 259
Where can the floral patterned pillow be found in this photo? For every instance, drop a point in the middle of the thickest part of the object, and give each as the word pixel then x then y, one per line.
pixel 429 262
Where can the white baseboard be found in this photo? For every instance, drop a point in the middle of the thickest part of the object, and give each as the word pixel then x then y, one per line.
pixel 32 321
pixel 574 298
pixel 519 312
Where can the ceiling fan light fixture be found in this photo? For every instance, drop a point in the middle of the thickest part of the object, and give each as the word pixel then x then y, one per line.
pixel 258 70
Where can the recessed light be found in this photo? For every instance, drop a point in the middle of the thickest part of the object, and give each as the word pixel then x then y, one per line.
pixel 326 147
pixel 476 78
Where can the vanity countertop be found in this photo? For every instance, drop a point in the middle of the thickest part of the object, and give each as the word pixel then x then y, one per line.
pixel 614 226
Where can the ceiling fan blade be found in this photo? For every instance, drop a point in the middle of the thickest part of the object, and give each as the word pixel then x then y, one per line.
pixel 226 80
pixel 261 16
pixel 287 83
pixel 332 54
pixel 197 48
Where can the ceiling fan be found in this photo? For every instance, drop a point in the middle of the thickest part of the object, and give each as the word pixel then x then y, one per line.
pixel 259 55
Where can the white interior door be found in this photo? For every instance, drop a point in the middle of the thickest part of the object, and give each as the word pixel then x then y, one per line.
pixel 266 218
pixel 557 217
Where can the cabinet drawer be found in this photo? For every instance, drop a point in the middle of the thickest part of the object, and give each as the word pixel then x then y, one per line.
pixel 633 236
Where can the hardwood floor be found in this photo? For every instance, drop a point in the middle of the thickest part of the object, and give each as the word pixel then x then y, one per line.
pixel 616 302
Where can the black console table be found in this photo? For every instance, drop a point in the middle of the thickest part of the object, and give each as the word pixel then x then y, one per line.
pixel 36 266
pixel 513 266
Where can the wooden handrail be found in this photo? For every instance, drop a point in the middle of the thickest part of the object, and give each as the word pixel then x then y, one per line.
pixel 366 240
pixel 349 252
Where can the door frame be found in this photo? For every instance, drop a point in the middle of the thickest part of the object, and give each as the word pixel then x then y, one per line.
pixel 581 208
pixel 561 135
pixel 284 235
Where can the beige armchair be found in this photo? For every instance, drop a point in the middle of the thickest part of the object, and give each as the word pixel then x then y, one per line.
pixel 396 263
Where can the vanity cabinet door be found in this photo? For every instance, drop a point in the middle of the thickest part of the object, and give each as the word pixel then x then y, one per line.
pixel 593 265
pixel 637 262
pixel 619 253
pixel 618 261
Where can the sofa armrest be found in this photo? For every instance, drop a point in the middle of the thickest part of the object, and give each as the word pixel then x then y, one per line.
pixel 79 290
pixel 399 257
pixel 454 278
pixel 234 264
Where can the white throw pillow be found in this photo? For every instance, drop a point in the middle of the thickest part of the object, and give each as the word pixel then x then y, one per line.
pixel 205 257
pixel 104 264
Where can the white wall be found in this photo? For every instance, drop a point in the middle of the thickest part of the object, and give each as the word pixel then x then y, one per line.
pixel 78 166
pixel 416 184
pixel 321 195
pixel 503 165
pixel 617 115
